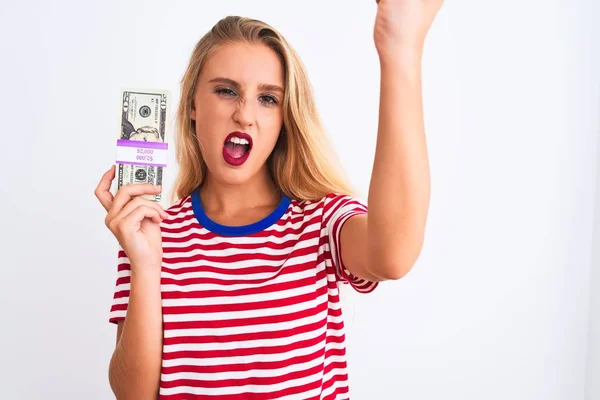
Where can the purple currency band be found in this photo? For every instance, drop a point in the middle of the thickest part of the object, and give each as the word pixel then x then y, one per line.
pixel 146 158
pixel 142 144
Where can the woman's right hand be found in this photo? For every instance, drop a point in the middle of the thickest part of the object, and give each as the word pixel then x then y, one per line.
pixel 134 221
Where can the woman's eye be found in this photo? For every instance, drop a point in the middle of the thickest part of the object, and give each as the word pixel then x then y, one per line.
pixel 225 91
pixel 268 99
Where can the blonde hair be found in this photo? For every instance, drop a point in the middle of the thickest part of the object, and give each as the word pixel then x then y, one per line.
pixel 302 164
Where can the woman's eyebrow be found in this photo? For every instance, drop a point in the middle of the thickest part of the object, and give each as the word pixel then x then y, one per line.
pixel 270 88
pixel 263 86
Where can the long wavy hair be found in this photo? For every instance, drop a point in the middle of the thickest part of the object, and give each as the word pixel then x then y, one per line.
pixel 302 165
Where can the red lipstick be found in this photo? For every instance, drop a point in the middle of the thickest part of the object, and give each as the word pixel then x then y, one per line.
pixel 236 148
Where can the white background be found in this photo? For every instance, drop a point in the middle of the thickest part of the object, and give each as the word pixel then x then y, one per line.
pixel 498 305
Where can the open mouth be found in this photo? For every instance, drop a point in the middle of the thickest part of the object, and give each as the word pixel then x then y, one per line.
pixel 237 147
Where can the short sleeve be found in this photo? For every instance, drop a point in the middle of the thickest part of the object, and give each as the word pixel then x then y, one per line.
pixel 118 309
pixel 337 210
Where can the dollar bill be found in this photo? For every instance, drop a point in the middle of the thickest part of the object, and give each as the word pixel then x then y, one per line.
pixel 143 118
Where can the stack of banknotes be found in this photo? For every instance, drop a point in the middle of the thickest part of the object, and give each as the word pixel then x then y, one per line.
pixel 142 142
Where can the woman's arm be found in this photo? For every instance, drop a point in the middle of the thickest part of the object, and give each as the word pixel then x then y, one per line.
pixel 135 366
pixel 385 243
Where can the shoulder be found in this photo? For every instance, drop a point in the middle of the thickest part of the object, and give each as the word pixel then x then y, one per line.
pixel 334 203
pixel 332 206
pixel 329 201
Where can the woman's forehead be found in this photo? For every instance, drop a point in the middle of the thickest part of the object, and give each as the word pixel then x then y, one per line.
pixel 248 64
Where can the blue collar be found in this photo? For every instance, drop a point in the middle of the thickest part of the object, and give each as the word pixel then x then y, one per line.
pixel 242 230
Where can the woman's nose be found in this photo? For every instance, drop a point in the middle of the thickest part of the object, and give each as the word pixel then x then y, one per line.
pixel 245 114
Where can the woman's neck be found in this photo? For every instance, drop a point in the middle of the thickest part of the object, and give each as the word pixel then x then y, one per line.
pixel 242 203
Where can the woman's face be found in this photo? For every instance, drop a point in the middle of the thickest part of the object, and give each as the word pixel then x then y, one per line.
pixel 238 112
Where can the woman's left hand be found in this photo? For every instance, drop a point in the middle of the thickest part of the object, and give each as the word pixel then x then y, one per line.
pixel 401 26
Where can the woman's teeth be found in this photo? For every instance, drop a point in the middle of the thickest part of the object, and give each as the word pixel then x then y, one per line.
pixel 237 140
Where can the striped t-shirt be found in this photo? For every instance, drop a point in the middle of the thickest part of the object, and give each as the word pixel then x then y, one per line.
pixel 252 312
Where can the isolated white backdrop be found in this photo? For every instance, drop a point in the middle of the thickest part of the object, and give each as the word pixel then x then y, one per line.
pixel 497 306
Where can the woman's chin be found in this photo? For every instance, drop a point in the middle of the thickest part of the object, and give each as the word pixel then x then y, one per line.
pixel 228 173
pixel 234 175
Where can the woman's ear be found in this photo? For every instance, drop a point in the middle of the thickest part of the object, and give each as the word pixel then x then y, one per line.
pixel 193 113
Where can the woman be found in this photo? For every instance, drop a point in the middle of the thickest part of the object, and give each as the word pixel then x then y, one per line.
pixel 231 293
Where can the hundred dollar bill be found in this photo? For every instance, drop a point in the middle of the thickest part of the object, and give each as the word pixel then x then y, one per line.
pixel 142 143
